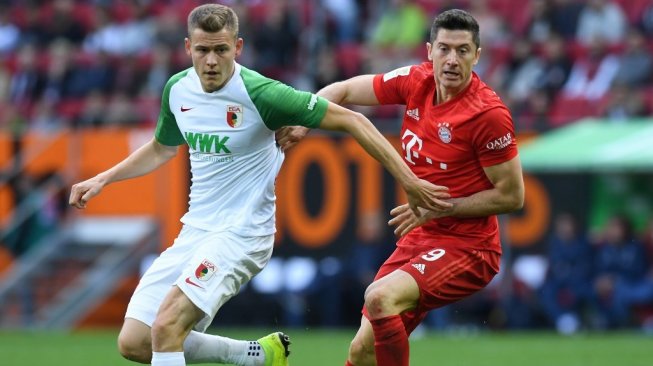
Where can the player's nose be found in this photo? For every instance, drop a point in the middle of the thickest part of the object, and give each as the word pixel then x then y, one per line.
pixel 211 59
pixel 452 58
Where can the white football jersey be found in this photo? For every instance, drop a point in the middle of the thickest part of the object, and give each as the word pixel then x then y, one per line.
pixel 234 159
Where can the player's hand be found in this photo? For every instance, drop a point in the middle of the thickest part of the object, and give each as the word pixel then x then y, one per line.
pixel 288 136
pixel 404 219
pixel 82 192
pixel 428 195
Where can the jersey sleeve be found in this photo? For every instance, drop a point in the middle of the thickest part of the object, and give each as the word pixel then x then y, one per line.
pixel 167 131
pixel 281 105
pixel 494 141
pixel 392 87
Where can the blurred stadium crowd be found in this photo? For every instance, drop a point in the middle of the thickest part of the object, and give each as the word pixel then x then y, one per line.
pixel 98 63
pixel 76 63
pixel 593 279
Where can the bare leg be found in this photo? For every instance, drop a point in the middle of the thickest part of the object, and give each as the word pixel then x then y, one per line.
pixel 135 344
pixel 361 350
pixel 391 295
pixel 176 318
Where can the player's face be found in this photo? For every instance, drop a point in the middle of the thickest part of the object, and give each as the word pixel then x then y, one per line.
pixel 453 54
pixel 213 56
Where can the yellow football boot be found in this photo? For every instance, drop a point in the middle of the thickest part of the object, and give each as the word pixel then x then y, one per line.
pixel 275 346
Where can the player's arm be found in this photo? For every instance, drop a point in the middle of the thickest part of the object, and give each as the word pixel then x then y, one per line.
pixel 358 90
pixel 142 161
pixel 420 192
pixel 507 195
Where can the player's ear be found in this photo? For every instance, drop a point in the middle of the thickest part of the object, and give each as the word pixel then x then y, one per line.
pixel 477 56
pixel 428 51
pixel 187 45
pixel 239 46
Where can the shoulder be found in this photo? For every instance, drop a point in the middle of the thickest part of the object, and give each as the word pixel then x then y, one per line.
pixel 253 80
pixel 262 89
pixel 496 115
pixel 270 92
pixel 410 72
pixel 486 94
pixel 280 104
pixel 423 70
pixel 174 79
pixel 265 91
pixel 403 83
pixel 482 100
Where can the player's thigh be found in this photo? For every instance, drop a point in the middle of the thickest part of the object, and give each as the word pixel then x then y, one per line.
pixel 446 273
pixel 216 273
pixel 449 273
pixel 161 276
pixel 394 293
pixel 178 311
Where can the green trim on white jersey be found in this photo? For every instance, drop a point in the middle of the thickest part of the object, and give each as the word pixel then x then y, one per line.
pixel 168 133
pixel 280 105
pixel 234 159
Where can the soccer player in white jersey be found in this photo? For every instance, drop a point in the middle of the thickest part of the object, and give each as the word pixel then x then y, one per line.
pixel 227 116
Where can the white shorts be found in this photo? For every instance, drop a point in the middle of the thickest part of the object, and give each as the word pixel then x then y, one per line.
pixel 209 267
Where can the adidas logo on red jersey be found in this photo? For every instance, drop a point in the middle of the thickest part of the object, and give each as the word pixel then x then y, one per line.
pixel 420 267
pixel 413 113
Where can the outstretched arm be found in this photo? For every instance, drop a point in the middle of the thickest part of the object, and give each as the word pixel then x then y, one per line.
pixel 142 161
pixel 358 90
pixel 420 192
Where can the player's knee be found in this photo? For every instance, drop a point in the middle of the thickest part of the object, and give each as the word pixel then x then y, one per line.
pixel 134 349
pixel 378 301
pixel 361 353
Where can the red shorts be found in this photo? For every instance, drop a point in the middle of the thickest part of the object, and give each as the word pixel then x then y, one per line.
pixel 444 273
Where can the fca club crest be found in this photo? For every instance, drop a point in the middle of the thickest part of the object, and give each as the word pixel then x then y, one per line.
pixel 444 132
pixel 205 271
pixel 234 115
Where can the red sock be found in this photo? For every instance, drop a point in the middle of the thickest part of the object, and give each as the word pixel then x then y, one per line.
pixel 390 341
pixel 349 363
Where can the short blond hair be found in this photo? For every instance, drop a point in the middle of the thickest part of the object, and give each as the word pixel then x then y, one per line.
pixel 213 18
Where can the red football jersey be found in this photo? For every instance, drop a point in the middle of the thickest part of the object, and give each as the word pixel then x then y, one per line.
pixel 449 144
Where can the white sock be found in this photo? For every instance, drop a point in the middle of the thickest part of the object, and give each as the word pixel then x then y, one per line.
pixel 168 359
pixel 207 348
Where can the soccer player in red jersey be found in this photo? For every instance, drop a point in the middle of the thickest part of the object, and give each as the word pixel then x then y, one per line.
pixel 457 133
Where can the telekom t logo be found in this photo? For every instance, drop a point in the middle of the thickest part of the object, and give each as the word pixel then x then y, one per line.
pixel 409 147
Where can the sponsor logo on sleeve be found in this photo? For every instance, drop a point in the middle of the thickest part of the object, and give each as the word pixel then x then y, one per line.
pixel 312 102
pixel 500 143
pixel 402 71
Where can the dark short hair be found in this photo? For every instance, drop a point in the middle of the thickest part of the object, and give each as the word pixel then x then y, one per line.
pixel 456 19
pixel 213 18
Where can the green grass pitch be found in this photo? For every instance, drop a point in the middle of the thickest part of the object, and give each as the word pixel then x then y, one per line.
pixel 315 347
